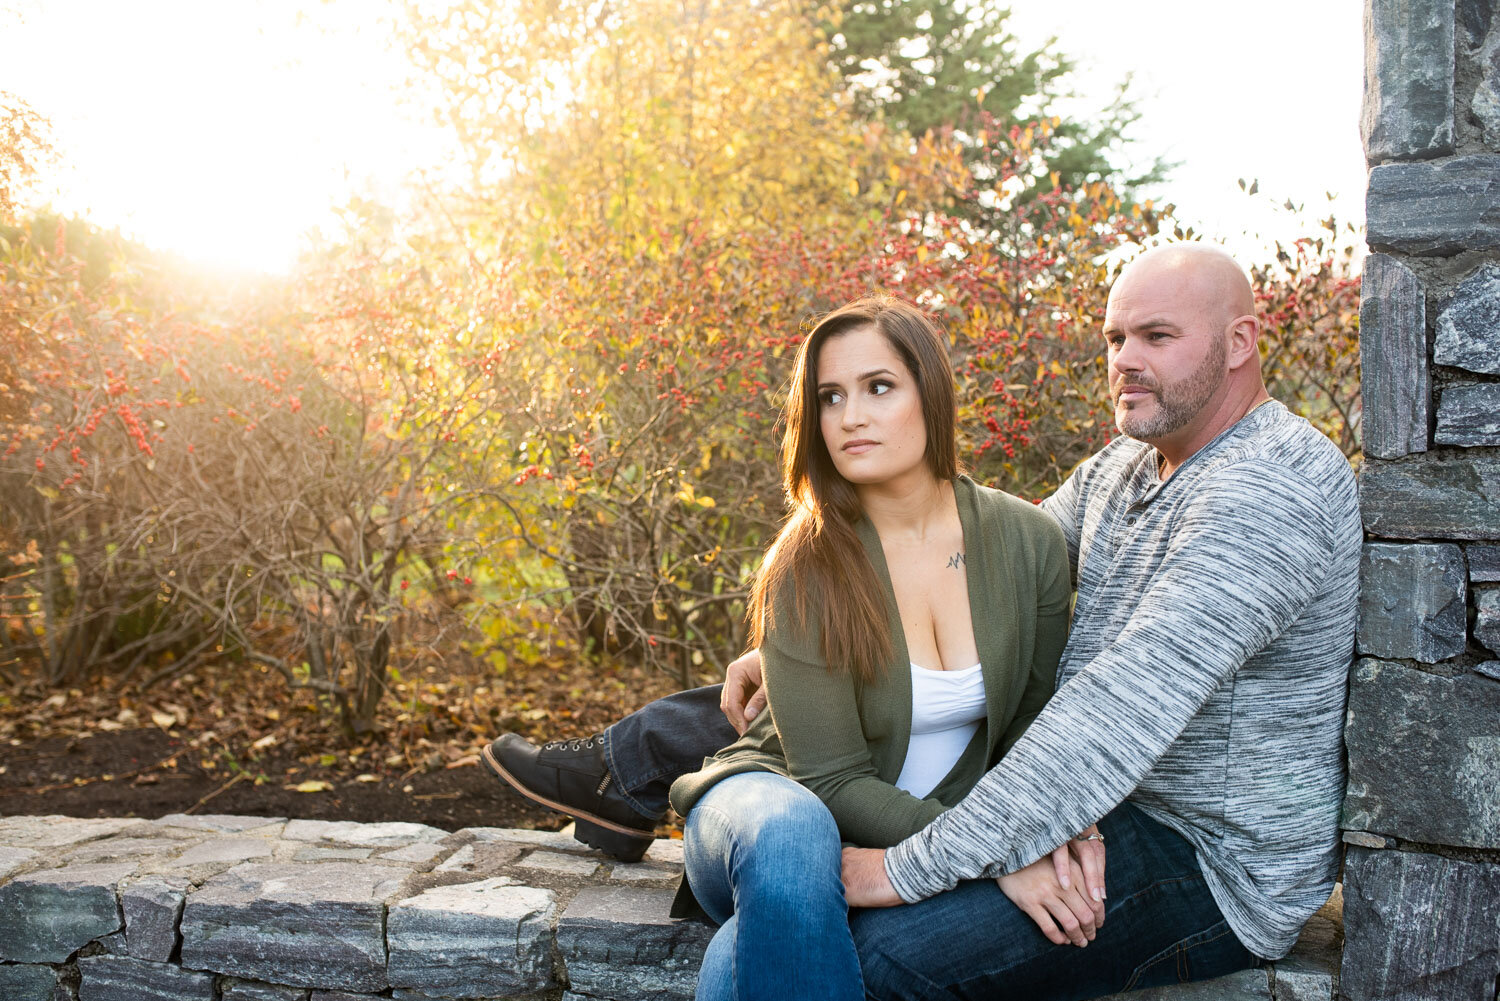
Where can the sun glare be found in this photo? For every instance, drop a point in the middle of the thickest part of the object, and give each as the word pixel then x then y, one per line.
pixel 220 131
pixel 227 131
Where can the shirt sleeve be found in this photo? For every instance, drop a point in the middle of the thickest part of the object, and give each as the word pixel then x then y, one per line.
pixel 1247 556
pixel 1065 507
pixel 816 713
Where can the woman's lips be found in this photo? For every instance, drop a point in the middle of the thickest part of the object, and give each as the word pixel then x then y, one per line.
pixel 858 446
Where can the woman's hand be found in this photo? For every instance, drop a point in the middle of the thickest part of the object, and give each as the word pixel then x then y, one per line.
pixel 1088 849
pixel 1063 914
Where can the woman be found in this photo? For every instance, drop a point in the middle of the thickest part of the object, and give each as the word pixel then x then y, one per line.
pixel 889 696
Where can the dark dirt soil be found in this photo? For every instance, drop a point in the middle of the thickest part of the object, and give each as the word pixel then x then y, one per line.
pixel 128 774
pixel 235 740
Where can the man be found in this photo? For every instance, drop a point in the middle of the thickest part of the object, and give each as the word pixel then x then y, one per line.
pixel 1199 712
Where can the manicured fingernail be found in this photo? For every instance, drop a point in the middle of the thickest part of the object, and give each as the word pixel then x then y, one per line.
pixel 1098 895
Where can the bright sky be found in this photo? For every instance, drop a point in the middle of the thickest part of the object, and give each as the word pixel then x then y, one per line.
pixel 1268 91
pixel 225 130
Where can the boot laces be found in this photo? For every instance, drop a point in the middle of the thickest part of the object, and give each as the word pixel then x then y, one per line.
pixel 575 744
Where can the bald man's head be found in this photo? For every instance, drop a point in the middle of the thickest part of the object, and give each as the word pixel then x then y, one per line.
pixel 1181 331
pixel 1204 274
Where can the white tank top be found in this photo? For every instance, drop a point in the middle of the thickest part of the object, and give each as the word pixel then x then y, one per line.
pixel 946 707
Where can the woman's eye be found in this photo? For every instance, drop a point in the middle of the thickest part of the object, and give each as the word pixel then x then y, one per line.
pixel 830 399
pixel 880 388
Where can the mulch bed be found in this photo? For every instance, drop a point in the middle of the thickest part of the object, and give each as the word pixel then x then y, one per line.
pixel 236 740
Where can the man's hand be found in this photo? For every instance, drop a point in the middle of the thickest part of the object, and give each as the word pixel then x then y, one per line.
pixel 1063 915
pixel 744 695
pixel 1087 850
pixel 865 881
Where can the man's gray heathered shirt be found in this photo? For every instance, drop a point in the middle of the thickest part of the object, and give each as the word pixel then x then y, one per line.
pixel 1204 678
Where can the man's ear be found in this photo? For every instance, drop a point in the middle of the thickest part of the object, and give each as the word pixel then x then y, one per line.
pixel 1243 334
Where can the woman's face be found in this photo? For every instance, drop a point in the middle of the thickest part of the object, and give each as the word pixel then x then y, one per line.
pixel 869 408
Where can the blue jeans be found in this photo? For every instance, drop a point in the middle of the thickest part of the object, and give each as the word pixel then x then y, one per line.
pixel 763 858
pixel 1161 926
pixel 652 746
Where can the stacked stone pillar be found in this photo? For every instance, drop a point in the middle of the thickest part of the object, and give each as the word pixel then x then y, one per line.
pixel 1422 815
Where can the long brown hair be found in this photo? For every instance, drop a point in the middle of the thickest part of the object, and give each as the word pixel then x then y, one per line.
pixel 817 560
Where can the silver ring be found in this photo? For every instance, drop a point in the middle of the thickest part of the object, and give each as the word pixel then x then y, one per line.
pixel 1090 837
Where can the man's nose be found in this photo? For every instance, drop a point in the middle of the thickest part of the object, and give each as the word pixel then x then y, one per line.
pixel 1127 357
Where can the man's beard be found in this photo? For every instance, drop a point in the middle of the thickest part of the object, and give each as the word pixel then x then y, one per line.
pixel 1177 402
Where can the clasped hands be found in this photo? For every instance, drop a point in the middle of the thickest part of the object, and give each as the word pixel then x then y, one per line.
pixel 1063 892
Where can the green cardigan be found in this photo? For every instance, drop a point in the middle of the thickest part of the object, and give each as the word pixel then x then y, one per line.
pixel 846 741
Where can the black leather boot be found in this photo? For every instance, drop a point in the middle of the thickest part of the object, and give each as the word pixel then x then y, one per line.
pixel 570 776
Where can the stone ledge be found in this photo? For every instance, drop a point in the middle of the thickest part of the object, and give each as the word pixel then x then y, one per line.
pixel 222 908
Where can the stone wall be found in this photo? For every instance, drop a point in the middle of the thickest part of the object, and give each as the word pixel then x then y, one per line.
pixel 222 908
pixel 1422 816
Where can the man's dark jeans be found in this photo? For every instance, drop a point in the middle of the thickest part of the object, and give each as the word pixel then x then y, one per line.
pixel 1161 924
pixel 648 749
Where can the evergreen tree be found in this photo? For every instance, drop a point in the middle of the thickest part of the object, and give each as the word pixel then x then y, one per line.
pixel 930 64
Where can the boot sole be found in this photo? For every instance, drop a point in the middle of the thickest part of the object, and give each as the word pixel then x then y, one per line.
pixel 593 830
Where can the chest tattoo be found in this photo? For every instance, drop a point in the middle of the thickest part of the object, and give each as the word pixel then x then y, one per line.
pixel 957 560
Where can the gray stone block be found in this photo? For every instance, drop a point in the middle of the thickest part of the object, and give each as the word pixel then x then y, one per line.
pixel 665 850
pixel 1487 619
pixel 303 925
pixel 12 859
pixel 1297 983
pixel 1469 415
pixel 1489 669
pixel 1420 927
pixel 219 823
pixel 559 864
pixel 1484 564
pixel 120 978
pixel 123 850
pixel 152 909
pixel 1408 106
pixel 254 990
pixel 1468 328
pixel 27 983
pixel 481 859
pixel 620 942
pixel 1484 39
pixel 541 839
pixel 57 832
pixel 1393 359
pixel 1411 601
pixel 1422 756
pixel 1439 495
pixel 364 835
pixel 1438 208
pixel 47 916
pixel 418 854
pixel 219 851
pixel 487 939
pixel 341 996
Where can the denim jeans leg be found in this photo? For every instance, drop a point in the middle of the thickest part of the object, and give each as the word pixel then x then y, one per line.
pixel 647 750
pixel 1161 926
pixel 763 858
